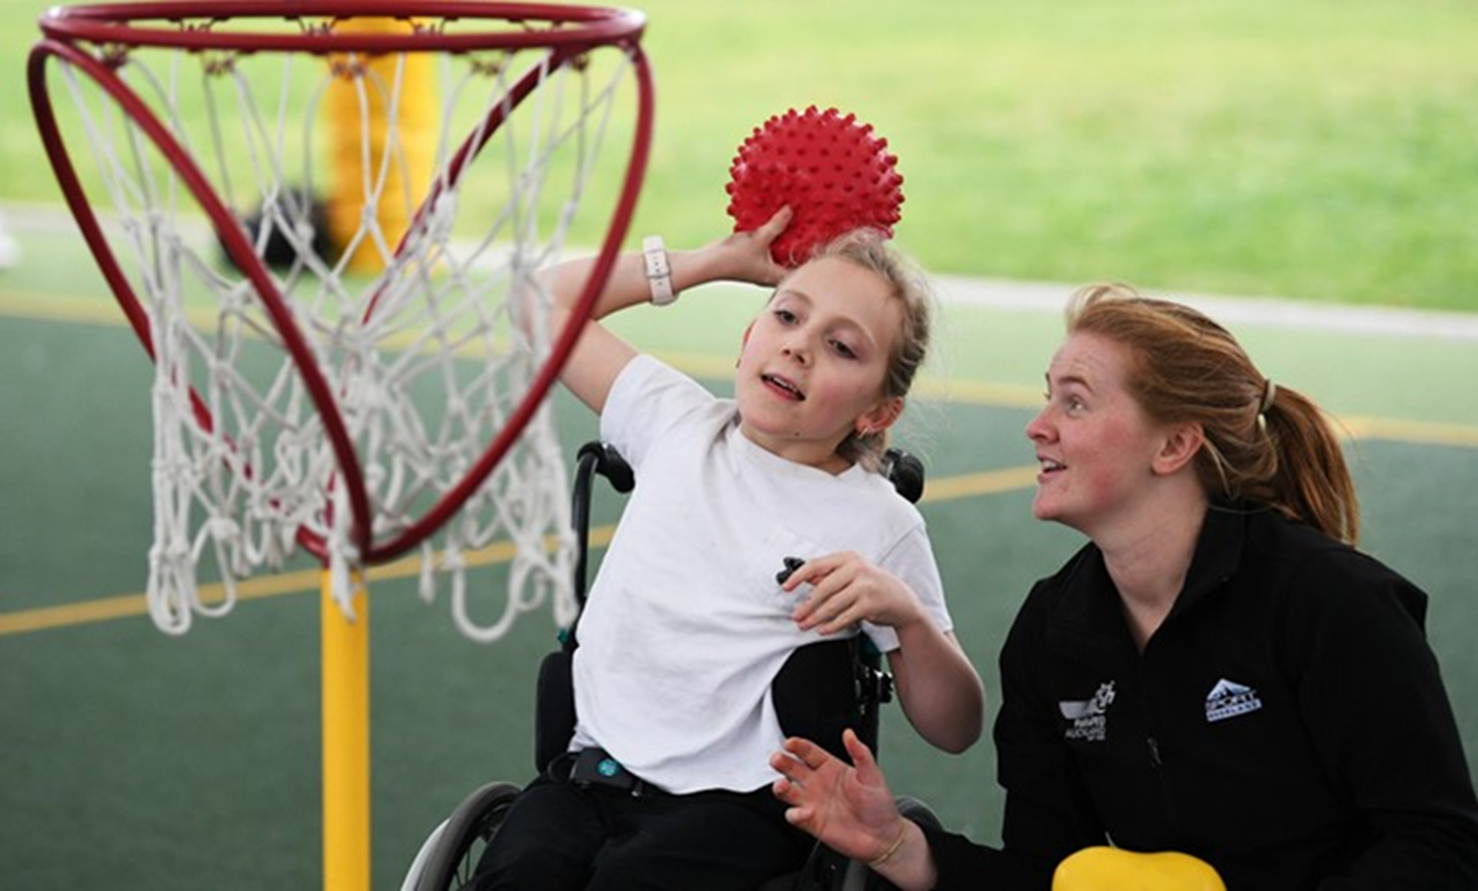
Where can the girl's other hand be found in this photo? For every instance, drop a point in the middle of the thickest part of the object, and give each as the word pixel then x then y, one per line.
pixel 745 256
pixel 846 589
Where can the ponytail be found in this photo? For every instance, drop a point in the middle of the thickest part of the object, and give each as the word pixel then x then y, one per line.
pixel 1311 480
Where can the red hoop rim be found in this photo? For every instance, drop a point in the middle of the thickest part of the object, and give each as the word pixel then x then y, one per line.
pixel 370 550
pixel 570 27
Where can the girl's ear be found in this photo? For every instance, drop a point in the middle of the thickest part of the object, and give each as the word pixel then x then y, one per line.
pixel 880 417
pixel 1181 445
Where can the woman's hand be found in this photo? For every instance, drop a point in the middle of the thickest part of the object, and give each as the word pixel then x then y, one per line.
pixel 847 808
pixel 851 811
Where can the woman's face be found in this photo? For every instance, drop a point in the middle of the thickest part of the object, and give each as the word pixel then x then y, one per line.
pixel 814 361
pixel 1094 442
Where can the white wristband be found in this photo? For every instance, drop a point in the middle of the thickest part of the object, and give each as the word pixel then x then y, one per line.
pixel 659 270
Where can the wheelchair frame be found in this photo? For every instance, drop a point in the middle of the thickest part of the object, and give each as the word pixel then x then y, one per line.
pixel 449 856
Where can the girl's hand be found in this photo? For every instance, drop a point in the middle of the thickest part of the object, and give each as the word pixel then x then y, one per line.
pixel 745 256
pixel 846 589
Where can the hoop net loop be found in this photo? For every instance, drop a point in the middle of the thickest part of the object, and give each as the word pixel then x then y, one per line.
pixel 324 222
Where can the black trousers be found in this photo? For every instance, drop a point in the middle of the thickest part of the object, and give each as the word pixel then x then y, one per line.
pixel 560 836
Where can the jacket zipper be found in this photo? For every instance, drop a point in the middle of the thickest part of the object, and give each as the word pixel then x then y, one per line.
pixel 1157 761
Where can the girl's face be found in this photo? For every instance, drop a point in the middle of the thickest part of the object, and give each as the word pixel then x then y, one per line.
pixel 1095 444
pixel 814 362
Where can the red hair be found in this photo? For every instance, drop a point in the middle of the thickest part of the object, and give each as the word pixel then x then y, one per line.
pixel 1265 443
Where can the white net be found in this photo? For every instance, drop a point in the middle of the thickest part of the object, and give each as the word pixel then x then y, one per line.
pixel 352 416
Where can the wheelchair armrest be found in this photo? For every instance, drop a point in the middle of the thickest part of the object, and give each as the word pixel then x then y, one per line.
pixel 554 708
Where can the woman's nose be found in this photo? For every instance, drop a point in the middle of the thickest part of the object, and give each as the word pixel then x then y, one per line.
pixel 1037 427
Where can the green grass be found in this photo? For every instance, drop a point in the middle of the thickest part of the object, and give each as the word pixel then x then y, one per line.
pixel 1321 150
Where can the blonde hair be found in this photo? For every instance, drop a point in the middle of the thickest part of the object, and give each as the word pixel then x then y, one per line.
pixel 869 249
pixel 1266 444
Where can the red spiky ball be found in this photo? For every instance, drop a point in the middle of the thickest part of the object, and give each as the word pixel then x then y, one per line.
pixel 832 171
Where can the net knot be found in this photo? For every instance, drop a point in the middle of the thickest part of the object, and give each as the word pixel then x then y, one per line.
pixel 223 528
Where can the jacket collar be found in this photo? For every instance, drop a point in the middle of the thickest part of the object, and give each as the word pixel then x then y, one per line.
pixel 1089 610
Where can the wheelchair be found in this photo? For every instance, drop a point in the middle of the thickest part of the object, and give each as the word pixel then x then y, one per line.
pixel 822 688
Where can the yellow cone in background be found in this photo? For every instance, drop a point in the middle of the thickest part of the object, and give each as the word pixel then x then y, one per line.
pixel 380 150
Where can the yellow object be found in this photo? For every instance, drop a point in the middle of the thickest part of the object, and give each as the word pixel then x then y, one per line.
pixel 1114 869
pixel 346 748
pixel 379 165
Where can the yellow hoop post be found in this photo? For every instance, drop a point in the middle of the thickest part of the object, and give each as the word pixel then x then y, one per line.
pixel 361 130
pixel 358 117
pixel 345 738
pixel 1114 869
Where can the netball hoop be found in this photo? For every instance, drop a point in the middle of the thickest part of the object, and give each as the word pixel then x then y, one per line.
pixel 324 221
pixel 302 403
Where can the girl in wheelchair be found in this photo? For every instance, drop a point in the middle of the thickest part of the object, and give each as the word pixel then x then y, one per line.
pixel 666 780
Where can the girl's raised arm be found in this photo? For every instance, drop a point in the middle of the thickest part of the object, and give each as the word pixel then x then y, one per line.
pixel 600 355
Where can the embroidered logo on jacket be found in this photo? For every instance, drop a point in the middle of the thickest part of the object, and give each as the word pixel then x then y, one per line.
pixel 1089 717
pixel 1228 699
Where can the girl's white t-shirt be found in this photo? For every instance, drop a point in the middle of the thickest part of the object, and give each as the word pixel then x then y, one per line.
pixel 686 626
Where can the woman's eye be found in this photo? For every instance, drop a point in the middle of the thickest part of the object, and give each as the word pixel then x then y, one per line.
pixel 1069 403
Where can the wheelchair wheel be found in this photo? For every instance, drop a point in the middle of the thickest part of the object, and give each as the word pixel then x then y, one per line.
pixel 917 811
pixel 449 856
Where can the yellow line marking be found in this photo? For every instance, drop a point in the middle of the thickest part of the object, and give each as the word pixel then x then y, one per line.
pixel 26 621
pixel 1417 432
pixel 992 482
pixel 58 308
pixel 297 582
pixel 308 580
pixel 970 485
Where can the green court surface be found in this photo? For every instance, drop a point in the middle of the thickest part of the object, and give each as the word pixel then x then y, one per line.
pixel 133 759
